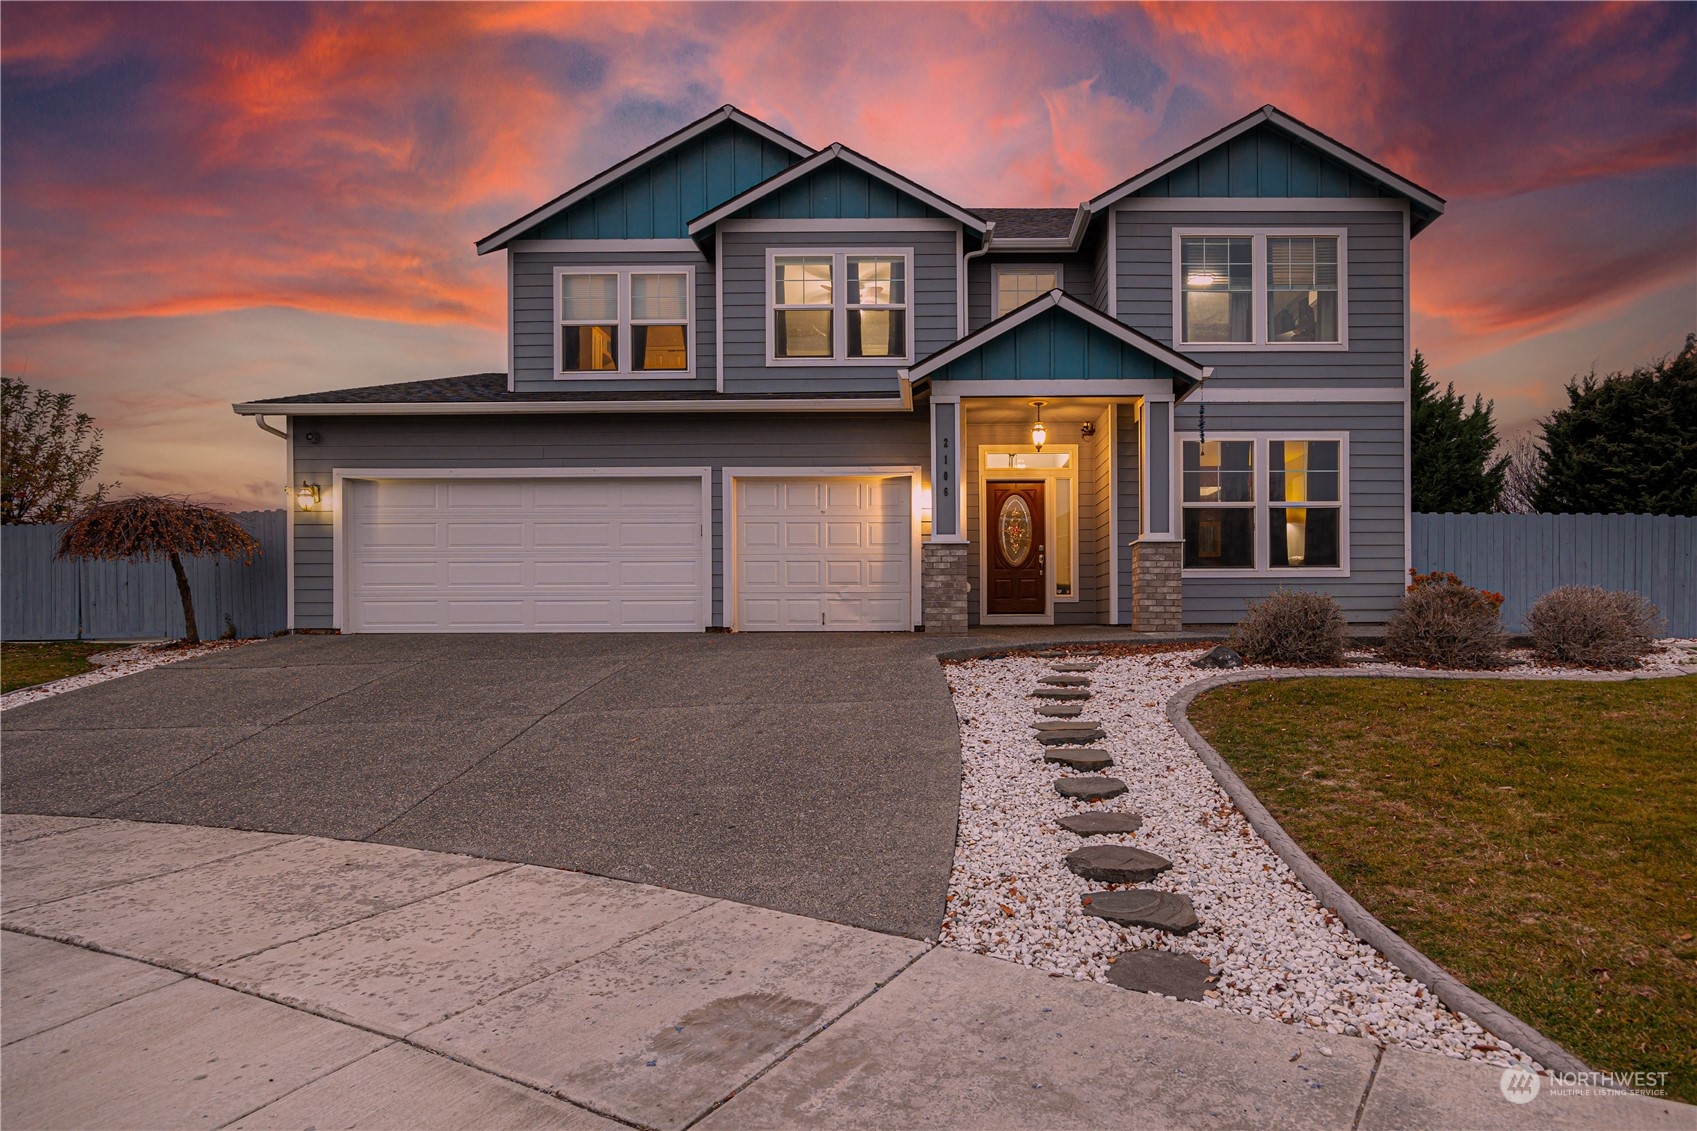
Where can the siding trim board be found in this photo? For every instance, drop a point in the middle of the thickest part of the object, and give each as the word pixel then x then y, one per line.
pixel 341 475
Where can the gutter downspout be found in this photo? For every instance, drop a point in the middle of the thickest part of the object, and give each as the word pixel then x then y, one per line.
pixel 259 419
pixel 989 238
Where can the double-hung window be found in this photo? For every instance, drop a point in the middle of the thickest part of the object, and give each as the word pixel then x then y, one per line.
pixel 1271 287
pixel 1017 285
pixel 623 321
pixel 1263 505
pixel 843 306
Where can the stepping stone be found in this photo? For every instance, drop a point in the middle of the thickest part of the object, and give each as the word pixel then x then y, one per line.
pixel 1116 864
pixel 1087 759
pixel 1101 824
pixel 1089 788
pixel 1065 680
pixel 1140 907
pixel 1061 693
pixel 1065 724
pixel 1075 667
pixel 1221 657
pixel 1060 710
pixel 1161 972
pixel 1052 654
pixel 1070 737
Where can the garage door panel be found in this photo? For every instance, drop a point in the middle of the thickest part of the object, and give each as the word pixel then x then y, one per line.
pixel 824 553
pixel 511 555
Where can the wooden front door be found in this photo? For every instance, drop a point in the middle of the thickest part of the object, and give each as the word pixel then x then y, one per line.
pixel 1013 537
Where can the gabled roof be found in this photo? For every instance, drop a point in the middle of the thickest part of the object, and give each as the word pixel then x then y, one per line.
pixel 565 200
pixel 1271 115
pixel 1030 223
pixel 836 151
pixel 1187 372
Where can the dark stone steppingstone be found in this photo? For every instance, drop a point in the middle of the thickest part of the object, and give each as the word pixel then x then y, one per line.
pixel 1161 972
pixel 1087 759
pixel 1089 788
pixel 1061 693
pixel 1065 724
pixel 1073 668
pixel 1140 907
pixel 1220 657
pixel 1061 710
pixel 1101 824
pixel 1116 864
pixel 1070 737
pixel 1065 680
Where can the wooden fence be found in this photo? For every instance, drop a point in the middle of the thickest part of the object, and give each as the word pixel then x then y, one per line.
pixel 44 599
pixel 1524 556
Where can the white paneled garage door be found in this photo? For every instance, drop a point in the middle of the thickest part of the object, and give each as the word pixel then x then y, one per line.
pixel 524 555
pixel 824 554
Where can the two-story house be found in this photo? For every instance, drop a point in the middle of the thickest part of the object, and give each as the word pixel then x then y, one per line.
pixel 760 386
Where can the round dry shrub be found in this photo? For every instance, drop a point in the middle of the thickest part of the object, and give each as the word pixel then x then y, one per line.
pixel 1592 626
pixel 1292 627
pixel 1445 623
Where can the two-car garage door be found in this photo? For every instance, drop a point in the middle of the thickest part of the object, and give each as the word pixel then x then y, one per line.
pixel 609 554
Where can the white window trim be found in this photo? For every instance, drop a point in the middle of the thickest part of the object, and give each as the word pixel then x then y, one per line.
pixel 1263 504
pixel 839 306
pixel 1259 292
pixel 1043 475
pixel 626 360
pixel 997 270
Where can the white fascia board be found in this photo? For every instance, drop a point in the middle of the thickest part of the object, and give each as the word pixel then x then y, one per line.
pixel 948 392
pixel 588 188
pixel 1072 241
pixel 1156 172
pixel 902 403
pixel 835 152
pixel 1304 394
pixel 605 245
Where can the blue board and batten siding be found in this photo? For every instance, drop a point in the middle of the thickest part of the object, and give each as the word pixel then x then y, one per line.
pixel 1055 345
pixel 1264 161
pixel 715 440
pixel 658 199
pixel 837 191
pixel 933 307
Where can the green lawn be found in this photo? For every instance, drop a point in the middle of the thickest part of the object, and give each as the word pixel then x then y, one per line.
pixel 25 665
pixel 1537 839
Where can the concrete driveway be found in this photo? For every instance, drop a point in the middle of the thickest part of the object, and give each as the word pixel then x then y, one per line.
pixel 812 774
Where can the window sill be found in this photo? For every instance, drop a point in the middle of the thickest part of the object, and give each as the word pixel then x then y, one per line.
pixel 629 375
pixel 1271 347
pixel 1263 574
pixel 855 362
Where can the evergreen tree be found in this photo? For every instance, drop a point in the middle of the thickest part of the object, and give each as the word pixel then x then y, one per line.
pixel 1625 444
pixel 1452 467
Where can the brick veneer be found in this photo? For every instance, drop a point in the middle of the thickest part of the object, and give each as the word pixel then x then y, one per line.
pixel 944 587
pixel 1157 598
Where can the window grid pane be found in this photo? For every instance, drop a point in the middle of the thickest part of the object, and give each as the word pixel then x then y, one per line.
pixel 803 280
pixel 1016 288
pixel 1219 471
pixel 876 281
pixel 1218 277
pixel 1302 288
pixel 658 298
pixel 589 298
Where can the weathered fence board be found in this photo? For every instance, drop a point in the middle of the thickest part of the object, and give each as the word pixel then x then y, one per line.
pixel 1524 556
pixel 44 599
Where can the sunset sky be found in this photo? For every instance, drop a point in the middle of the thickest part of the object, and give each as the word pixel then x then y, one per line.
pixel 218 202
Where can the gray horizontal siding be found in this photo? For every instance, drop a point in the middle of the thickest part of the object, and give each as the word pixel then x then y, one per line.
pixel 932 306
pixel 1077 280
pixel 1377 354
pixel 533 319
pixel 1376 525
pixel 714 440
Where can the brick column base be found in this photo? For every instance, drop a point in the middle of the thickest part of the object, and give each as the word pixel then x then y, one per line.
pixel 1157 600
pixel 943 587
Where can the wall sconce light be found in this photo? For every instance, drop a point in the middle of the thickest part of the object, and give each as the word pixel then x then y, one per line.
pixel 307 496
pixel 1088 428
pixel 1039 434
pixel 925 504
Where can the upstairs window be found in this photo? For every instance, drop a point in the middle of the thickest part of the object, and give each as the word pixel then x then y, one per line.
pixel 1260 288
pixel 634 321
pixel 1016 286
pixel 840 306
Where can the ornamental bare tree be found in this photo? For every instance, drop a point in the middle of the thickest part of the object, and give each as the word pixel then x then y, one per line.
pixel 48 453
pixel 149 527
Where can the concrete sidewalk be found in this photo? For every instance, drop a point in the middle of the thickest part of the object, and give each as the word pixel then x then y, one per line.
pixel 169 976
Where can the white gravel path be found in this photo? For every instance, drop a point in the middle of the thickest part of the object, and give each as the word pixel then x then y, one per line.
pixel 116 664
pixel 1275 951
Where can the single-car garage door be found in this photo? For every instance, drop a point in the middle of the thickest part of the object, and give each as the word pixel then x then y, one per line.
pixel 524 555
pixel 824 554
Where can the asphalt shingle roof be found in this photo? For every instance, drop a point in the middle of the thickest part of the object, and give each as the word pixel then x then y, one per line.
pixel 491 388
pixel 1030 223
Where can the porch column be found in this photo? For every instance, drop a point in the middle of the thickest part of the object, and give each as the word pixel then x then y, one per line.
pixel 1157 556
pixel 943 581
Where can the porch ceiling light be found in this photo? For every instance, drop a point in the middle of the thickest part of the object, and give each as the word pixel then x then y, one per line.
pixel 1039 434
pixel 307 496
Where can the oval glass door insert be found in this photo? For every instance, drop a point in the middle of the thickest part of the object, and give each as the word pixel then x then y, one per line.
pixel 1013 530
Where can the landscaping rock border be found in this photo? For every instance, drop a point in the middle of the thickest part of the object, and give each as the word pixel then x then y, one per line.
pixel 1449 989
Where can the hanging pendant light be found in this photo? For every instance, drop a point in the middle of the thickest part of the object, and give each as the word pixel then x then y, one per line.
pixel 1039 434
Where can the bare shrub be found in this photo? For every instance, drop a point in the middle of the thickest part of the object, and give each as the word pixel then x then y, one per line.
pixel 1292 627
pixel 1592 626
pixel 1445 623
